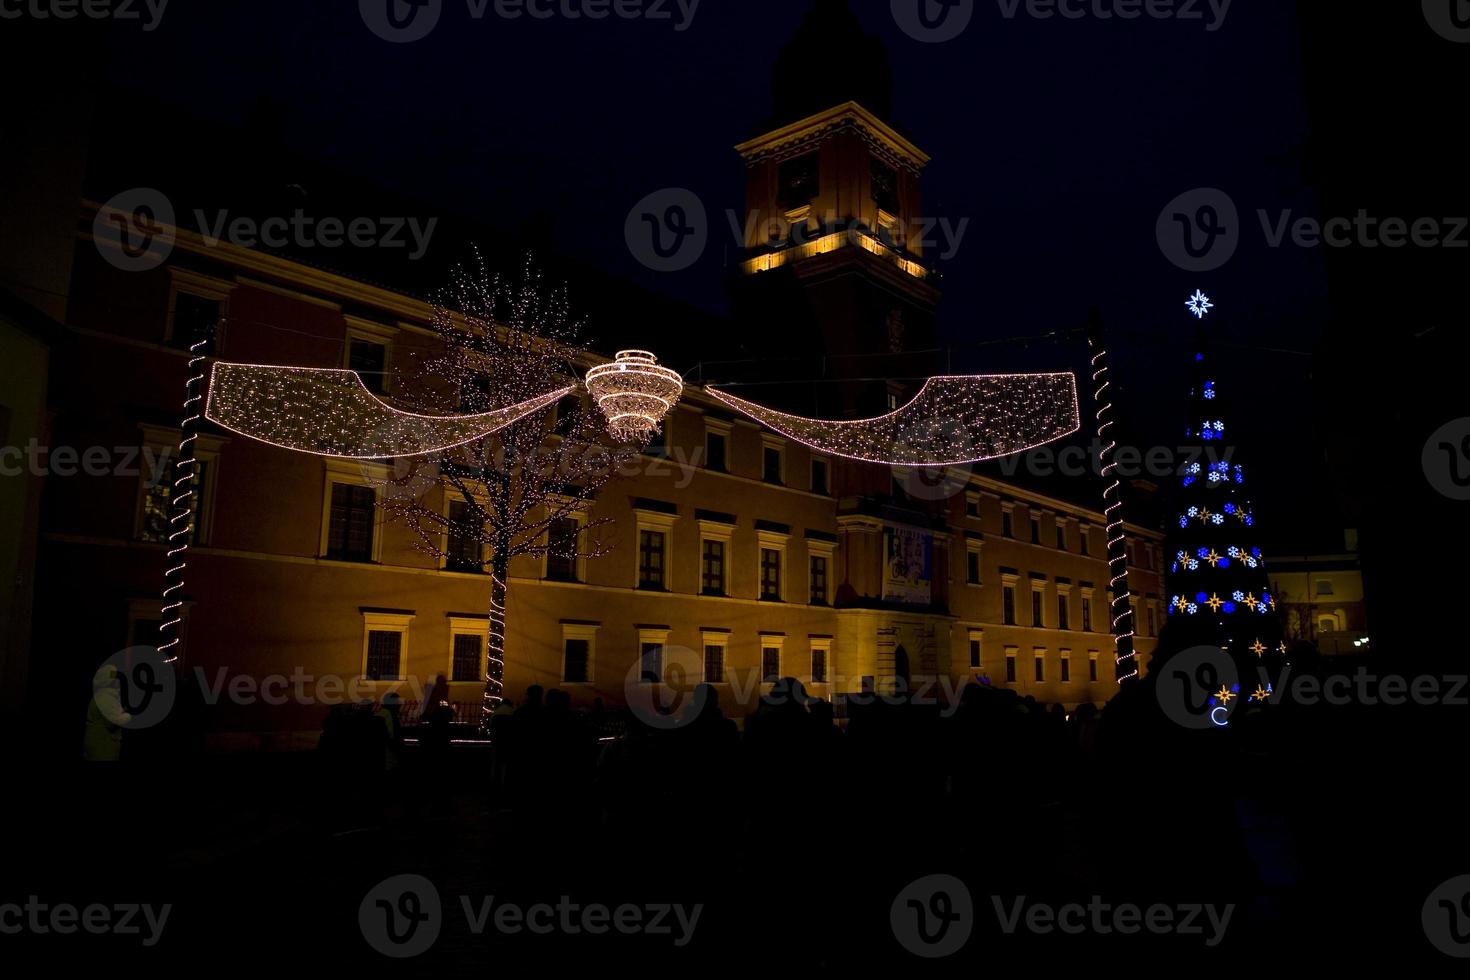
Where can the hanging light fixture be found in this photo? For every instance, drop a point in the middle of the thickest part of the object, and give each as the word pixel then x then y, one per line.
pixel 635 393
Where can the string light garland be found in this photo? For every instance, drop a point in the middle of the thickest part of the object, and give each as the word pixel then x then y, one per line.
pixel 330 412
pixel 951 421
pixel 181 520
pixel 635 392
pixel 1125 659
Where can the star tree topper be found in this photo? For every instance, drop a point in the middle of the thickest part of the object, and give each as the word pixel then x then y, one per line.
pixel 1199 304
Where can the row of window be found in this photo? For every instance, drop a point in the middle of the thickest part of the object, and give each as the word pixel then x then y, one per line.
pixel 1084 537
pixel 579 650
pixel 1039 662
pixel 773 458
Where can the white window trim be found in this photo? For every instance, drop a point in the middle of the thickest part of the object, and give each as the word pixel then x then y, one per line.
pixel 811 470
pixel 777 642
pixel 1008 516
pixel 822 644
pixel 165 442
pixel 820 549
pixel 1038 655
pixel 451 496
pixel 723 533
pixel 777 443
pixel 1064 591
pixel 976 548
pixel 373 333
pixel 1064 666
pixel 709 638
pixel 973 497
pixel 1013 658
pixel 1038 585
pixel 468 626
pixel 651 520
pixel 377 622
pixel 777 542
pixel 724 429
pixel 579 515
pixel 975 635
pixel 195 284
pixel 579 631
pixel 355 473
pixel 1094 657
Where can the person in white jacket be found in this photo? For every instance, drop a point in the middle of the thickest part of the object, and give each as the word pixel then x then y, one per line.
pixel 105 718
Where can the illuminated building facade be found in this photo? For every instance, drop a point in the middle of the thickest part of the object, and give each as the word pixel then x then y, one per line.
pixel 756 556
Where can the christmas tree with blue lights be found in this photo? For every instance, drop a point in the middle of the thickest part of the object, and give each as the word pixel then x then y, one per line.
pixel 1219 590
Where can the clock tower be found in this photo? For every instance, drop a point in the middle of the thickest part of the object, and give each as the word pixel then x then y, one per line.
pixel 832 281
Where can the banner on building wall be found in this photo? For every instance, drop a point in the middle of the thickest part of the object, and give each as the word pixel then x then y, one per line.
pixel 908 570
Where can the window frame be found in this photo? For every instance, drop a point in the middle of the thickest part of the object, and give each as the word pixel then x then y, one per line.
pixel 359 474
pixel 164 443
pixel 478 627
pixel 654 521
pixel 579 632
pixel 384 621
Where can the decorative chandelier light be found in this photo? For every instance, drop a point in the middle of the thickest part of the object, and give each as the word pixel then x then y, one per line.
pixel 951 421
pixel 635 393
pixel 329 412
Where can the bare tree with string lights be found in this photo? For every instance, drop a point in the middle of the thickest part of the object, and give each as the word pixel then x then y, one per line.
pixel 528 489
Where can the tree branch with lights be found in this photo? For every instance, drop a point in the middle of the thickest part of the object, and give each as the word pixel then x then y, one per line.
pixel 487 502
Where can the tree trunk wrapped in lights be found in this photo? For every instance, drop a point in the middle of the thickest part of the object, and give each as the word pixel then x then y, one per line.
pixel 513 493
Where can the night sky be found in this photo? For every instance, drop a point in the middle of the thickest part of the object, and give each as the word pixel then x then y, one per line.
pixel 1060 142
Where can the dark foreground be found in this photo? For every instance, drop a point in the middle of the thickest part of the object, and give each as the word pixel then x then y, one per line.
pixel 1320 832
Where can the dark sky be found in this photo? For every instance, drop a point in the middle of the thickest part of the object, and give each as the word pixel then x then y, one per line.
pixel 1059 141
